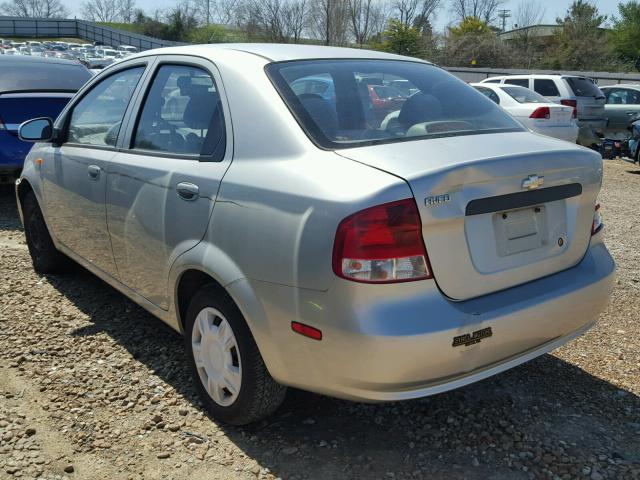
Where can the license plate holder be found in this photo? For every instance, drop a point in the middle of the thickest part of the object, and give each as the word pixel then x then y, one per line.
pixel 520 230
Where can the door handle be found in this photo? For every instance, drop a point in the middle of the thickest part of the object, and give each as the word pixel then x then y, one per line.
pixel 187 191
pixel 94 172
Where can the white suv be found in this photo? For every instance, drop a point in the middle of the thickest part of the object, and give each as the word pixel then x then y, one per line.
pixel 580 93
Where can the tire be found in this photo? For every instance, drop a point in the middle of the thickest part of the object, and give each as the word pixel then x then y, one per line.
pixel 44 255
pixel 232 381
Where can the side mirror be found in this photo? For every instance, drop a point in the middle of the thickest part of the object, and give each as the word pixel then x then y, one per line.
pixel 36 130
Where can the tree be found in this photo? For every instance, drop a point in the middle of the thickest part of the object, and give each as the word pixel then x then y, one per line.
pixel 416 13
pixel 580 43
pixel 101 10
pixel 126 10
pixel 366 19
pixel 474 43
pixel 529 13
pixel 402 39
pixel 329 21
pixel 35 8
pixel 625 35
pixel 485 10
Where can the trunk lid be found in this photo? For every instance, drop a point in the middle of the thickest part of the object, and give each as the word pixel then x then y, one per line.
pixel 484 228
pixel 589 98
pixel 16 108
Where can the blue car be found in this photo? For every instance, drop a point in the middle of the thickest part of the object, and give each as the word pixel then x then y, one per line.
pixel 31 87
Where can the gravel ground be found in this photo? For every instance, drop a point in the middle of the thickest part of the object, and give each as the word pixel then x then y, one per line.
pixel 91 386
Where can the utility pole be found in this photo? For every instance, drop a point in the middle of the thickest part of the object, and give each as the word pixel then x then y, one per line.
pixel 504 14
pixel 208 12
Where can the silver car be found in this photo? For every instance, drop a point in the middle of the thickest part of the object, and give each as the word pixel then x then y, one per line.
pixel 622 108
pixel 295 240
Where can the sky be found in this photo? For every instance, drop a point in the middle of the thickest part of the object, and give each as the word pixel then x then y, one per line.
pixel 552 8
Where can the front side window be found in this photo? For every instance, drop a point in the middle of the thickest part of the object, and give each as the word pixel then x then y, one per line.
pixel 182 114
pixel 367 106
pixel 521 82
pixel 622 96
pixel 96 119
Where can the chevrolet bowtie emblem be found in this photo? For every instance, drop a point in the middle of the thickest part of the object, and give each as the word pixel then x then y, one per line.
pixel 533 181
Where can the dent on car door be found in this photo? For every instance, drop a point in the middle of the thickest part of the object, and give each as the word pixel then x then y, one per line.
pixel 75 174
pixel 162 186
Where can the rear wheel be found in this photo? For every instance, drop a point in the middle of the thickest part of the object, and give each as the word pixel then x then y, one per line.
pixel 227 368
pixel 44 255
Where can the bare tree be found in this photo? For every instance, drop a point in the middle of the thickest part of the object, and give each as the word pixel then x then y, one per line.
pixel 295 18
pixel 529 13
pixel 366 19
pixel 126 9
pixel 416 13
pixel 329 21
pixel 100 10
pixel 485 10
pixel 35 8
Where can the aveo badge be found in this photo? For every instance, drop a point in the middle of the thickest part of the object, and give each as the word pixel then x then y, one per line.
pixel 437 200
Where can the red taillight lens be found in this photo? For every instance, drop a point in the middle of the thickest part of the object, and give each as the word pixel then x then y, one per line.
pixel 596 226
pixel 382 244
pixel 571 103
pixel 541 112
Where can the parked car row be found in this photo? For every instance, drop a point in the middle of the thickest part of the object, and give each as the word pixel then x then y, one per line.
pixel 91 55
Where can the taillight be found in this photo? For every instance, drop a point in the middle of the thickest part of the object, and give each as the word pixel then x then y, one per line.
pixel 571 103
pixel 596 226
pixel 382 244
pixel 541 112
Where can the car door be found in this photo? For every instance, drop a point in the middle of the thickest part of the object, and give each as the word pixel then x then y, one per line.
pixel 622 107
pixel 75 176
pixel 162 185
pixel 547 88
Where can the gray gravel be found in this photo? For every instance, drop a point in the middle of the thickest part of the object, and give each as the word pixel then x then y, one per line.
pixel 91 386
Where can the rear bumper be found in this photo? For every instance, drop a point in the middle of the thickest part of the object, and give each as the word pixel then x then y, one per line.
pixel 394 342
pixel 12 154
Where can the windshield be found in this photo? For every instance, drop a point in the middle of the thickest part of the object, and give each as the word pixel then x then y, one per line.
pixel 348 111
pixel 524 95
pixel 583 87
pixel 44 76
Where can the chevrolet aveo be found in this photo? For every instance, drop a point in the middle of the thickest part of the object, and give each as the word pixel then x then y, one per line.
pixel 255 199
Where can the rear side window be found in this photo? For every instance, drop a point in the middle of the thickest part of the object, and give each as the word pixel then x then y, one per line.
pixel 524 95
pixel 583 87
pixel 182 113
pixel 490 94
pixel 97 117
pixel 365 107
pixel 546 87
pixel 521 82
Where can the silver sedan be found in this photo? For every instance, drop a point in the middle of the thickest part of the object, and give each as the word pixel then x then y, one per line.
pixel 301 231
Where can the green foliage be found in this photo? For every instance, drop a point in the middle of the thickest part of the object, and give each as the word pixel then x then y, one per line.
pixel 210 34
pixel 470 26
pixel 402 39
pixel 581 43
pixel 625 35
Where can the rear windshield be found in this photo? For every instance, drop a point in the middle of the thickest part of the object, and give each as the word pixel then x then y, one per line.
pixel 583 87
pixel 524 95
pixel 43 76
pixel 348 111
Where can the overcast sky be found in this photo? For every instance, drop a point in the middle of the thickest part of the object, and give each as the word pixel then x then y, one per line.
pixel 553 9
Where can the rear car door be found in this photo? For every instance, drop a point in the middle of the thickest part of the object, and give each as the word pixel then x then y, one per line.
pixel 162 185
pixel 622 108
pixel 547 88
pixel 75 175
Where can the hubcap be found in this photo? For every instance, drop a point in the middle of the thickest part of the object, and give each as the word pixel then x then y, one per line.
pixel 216 354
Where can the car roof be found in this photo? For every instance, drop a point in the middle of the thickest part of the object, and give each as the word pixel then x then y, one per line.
pixel 9 61
pixel 275 52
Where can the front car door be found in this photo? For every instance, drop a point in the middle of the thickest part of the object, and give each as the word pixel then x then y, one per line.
pixel 162 185
pixel 621 108
pixel 75 176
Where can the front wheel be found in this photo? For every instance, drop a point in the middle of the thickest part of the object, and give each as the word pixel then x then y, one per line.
pixel 227 368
